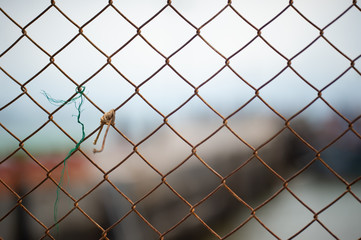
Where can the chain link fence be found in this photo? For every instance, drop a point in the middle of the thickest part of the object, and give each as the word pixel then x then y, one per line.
pixel 221 175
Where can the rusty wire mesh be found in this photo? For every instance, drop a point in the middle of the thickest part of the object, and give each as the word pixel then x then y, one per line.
pixel 194 209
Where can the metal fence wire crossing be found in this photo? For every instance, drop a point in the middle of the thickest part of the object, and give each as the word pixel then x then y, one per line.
pixel 193 211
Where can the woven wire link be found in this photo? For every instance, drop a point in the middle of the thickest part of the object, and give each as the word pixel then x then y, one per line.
pixel 48 173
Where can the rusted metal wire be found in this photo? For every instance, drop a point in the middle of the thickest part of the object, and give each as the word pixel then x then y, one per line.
pixel 49 172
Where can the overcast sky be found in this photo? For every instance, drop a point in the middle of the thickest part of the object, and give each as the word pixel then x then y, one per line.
pixel 257 63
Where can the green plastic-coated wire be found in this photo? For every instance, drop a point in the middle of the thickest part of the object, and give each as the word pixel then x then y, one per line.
pixel 78 107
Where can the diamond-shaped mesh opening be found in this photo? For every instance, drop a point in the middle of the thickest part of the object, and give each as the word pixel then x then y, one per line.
pixel 25 56
pixel 172 91
pixel 174 208
pixel 79 51
pixel 50 80
pixel 343 38
pixel 117 35
pixel 264 182
pixel 288 215
pixel 135 56
pixel 255 131
pixel 320 57
pixel 220 219
pixel 162 25
pixel 299 153
pixel 84 228
pixel 226 92
pixel 108 89
pixel 193 180
pixel 49 38
pixel 165 150
pixel 12 118
pixel 227 32
pixel 287 88
pixel 337 213
pixel 80 175
pixel 343 156
pixel 312 125
pixel 202 120
pixel 117 152
pixel 195 128
pixel 95 204
pixel 137 166
pixel 196 62
pixel 133 111
pixel 257 63
pixel 235 152
pixel 274 151
pixel 285 37
pixel 343 84
pixel 42 206
pixel 316 199
pixel 24 221
pixel 21 181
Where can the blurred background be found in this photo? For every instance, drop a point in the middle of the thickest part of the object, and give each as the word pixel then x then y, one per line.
pixel 318 95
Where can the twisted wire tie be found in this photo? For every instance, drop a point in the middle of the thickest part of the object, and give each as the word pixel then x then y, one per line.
pixel 108 119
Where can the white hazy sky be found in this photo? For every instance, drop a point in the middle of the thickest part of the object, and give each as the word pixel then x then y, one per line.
pixel 257 63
